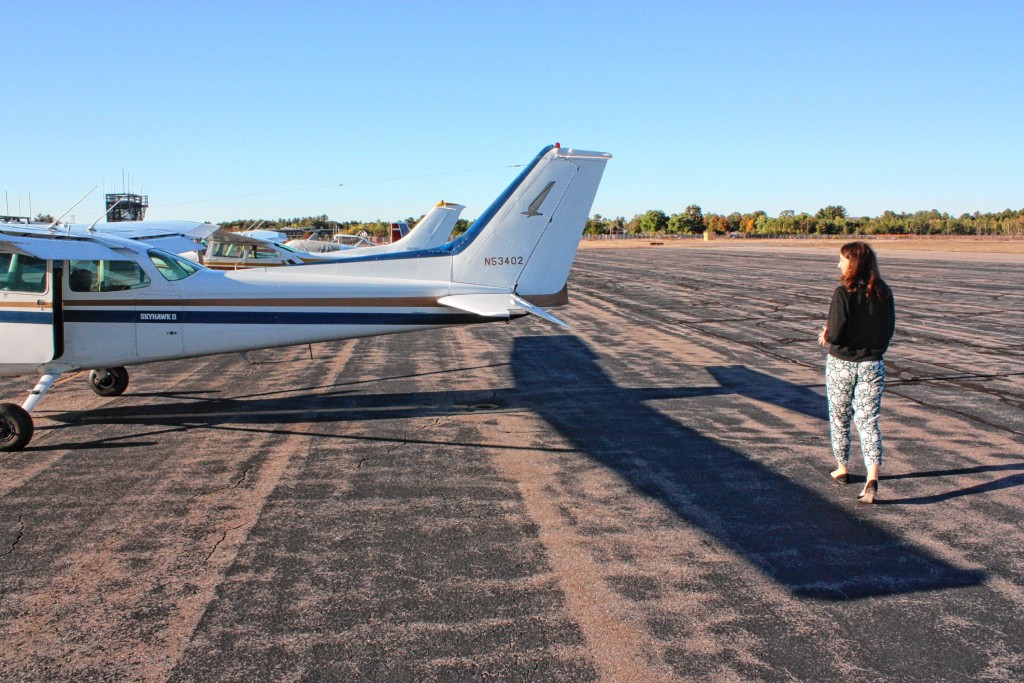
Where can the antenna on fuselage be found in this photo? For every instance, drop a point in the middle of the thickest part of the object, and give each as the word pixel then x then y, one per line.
pixel 50 226
pixel 92 228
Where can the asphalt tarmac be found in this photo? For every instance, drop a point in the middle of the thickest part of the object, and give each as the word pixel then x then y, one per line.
pixel 643 498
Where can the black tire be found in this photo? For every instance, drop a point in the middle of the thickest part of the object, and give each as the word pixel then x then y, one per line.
pixel 109 381
pixel 15 427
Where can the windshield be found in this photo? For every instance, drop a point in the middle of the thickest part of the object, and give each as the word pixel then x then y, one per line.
pixel 172 267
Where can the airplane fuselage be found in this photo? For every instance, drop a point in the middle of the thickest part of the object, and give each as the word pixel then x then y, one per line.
pixel 210 312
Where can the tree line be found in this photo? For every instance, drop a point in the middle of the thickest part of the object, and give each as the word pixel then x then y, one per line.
pixel 830 220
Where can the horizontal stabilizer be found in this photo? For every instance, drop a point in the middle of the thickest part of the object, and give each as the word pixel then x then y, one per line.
pixel 538 311
pixel 496 306
pixel 487 305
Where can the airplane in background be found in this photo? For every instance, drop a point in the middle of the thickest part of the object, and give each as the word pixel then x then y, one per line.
pixel 227 250
pixel 266 248
pixel 85 299
pixel 431 231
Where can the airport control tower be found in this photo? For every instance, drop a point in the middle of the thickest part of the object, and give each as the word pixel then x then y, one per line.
pixel 126 207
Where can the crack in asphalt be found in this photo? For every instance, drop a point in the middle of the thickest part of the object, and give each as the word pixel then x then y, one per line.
pixel 223 537
pixel 381 455
pixel 17 538
pixel 245 475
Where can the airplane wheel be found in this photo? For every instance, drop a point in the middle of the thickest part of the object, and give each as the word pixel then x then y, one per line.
pixel 109 381
pixel 15 427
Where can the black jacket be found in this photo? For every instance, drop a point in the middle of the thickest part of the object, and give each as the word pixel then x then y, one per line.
pixel 860 329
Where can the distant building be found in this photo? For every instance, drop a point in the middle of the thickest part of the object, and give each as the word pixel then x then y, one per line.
pixel 126 207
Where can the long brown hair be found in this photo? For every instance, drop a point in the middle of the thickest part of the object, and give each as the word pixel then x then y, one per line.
pixel 863 270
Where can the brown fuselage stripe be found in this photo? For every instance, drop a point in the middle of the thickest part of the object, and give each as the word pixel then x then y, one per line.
pixel 25 304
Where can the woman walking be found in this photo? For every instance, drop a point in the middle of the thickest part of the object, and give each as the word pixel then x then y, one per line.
pixel 860 324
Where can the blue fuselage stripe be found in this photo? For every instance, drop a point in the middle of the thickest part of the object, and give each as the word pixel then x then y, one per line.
pixel 31 317
pixel 271 318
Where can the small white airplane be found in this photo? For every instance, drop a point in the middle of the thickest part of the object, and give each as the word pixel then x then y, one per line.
pixel 255 249
pixel 267 248
pixel 85 299
pixel 431 231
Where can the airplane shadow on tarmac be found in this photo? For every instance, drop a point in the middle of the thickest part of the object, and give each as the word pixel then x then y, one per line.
pixel 806 543
pixel 787 530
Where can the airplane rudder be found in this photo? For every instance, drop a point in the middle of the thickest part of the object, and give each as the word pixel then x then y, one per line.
pixel 547 271
pixel 538 221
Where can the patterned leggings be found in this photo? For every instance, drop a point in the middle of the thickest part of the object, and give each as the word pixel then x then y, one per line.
pixel 855 390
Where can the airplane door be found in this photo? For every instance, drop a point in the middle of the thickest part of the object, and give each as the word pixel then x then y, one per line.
pixel 158 331
pixel 31 333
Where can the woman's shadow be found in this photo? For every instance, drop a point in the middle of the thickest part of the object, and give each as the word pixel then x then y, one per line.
pixel 1004 483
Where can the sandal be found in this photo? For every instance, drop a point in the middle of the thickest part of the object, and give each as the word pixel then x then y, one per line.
pixel 869 493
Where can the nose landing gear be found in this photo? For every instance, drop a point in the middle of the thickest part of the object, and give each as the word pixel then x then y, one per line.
pixel 15 427
pixel 15 422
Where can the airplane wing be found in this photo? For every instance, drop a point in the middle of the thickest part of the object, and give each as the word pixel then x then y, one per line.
pixel 173 236
pixel 81 243
pixel 146 231
pixel 236 237
pixel 268 235
pixel 57 249
pixel 175 245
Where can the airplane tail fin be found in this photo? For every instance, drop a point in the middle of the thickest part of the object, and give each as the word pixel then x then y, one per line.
pixel 433 229
pixel 527 239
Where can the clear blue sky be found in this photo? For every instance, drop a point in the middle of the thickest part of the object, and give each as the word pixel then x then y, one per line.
pixel 222 110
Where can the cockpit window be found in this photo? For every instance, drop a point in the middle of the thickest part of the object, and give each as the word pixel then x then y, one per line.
pixel 20 273
pixel 266 252
pixel 106 276
pixel 228 249
pixel 172 267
